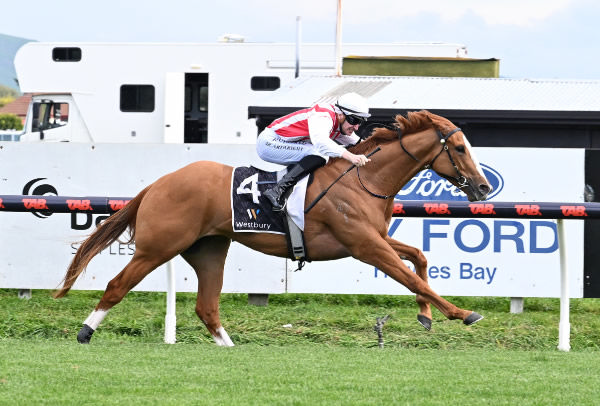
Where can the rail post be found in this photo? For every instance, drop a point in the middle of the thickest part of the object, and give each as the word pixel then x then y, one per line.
pixel 170 317
pixel 564 326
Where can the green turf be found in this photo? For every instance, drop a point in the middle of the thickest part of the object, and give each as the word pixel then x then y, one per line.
pixel 328 356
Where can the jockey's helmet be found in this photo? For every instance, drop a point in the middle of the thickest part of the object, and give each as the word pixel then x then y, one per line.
pixel 353 104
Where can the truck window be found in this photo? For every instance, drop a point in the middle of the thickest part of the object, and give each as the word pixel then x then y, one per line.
pixel 203 99
pixel 137 98
pixel 66 54
pixel 262 83
pixel 48 114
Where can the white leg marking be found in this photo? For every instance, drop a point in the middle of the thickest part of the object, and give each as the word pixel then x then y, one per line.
pixel 222 338
pixel 95 318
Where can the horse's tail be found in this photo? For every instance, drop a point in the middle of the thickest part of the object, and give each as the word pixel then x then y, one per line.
pixel 104 235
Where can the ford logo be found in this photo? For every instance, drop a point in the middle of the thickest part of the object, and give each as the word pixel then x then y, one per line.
pixel 427 185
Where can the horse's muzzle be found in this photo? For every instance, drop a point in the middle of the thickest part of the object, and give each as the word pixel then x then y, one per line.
pixel 479 192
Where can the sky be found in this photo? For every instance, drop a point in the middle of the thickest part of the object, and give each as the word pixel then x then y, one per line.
pixel 557 39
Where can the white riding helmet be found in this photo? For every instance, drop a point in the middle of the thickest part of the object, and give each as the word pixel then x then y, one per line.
pixel 353 104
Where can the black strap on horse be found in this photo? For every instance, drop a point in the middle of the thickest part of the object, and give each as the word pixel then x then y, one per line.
pixel 310 206
pixel 371 124
pixel 460 179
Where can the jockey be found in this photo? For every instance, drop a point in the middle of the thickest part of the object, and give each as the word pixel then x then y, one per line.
pixel 307 138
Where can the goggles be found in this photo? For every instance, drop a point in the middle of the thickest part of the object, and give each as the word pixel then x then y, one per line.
pixel 354 120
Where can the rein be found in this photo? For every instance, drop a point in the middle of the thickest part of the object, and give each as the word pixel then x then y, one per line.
pixel 460 179
pixel 334 182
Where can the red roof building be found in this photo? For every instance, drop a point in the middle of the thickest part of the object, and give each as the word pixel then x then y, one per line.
pixel 18 107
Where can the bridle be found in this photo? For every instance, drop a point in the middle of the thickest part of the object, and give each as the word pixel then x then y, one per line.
pixel 459 179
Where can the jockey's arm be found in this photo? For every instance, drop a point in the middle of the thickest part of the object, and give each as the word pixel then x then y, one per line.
pixel 348 140
pixel 319 127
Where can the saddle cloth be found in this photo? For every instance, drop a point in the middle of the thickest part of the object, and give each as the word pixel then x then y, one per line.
pixel 251 212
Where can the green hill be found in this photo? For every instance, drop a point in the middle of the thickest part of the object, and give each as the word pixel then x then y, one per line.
pixel 8 48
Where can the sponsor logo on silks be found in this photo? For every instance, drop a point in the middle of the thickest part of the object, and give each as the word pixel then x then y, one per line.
pixel 116 205
pixel 253 213
pixel 482 208
pixel 575 211
pixel 528 209
pixel 36 204
pixel 428 185
pixel 436 208
pixel 75 204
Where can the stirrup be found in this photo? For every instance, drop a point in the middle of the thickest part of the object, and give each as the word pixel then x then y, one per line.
pixel 274 201
pixel 278 207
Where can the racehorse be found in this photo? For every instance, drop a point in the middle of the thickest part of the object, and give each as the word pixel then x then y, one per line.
pixel 188 213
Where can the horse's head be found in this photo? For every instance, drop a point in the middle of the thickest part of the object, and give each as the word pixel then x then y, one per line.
pixel 450 155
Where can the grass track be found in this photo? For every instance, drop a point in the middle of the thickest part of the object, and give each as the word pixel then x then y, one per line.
pixel 329 356
pixel 66 373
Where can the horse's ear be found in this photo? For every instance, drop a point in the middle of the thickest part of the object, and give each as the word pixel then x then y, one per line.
pixel 401 121
pixel 427 115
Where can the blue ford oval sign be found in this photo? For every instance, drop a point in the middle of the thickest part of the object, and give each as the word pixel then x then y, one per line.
pixel 427 185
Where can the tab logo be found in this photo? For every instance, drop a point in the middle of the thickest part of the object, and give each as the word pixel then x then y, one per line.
pixel 117 204
pixel 37 204
pixel 482 208
pixel 576 211
pixel 75 204
pixel 436 208
pixel 32 188
pixel 399 208
pixel 528 209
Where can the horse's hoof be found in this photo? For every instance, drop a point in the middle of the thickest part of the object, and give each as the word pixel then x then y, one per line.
pixel 472 318
pixel 85 334
pixel 425 321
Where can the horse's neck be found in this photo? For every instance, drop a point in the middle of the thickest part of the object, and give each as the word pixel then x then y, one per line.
pixel 394 167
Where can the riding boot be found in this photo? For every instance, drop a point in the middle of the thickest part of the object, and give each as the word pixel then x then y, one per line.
pixel 279 193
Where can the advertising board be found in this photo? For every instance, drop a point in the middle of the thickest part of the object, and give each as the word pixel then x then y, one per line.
pixel 476 257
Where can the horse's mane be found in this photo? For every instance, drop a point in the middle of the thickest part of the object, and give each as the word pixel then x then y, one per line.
pixel 414 121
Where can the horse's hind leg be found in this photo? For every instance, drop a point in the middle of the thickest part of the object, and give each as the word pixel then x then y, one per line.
pixel 419 260
pixel 207 257
pixel 140 265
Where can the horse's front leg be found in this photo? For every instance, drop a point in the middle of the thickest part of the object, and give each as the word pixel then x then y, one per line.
pixel 418 259
pixel 375 250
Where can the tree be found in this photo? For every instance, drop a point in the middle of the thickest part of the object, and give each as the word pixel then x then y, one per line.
pixel 10 122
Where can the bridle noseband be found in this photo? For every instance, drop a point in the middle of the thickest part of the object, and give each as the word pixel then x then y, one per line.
pixel 459 179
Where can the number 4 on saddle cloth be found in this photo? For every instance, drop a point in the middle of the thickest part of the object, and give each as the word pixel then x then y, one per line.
pixel 250 212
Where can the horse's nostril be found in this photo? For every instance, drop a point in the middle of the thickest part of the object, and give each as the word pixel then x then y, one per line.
pixel 485 189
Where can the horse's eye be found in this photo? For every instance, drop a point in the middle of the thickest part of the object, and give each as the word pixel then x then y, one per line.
pixel 460 149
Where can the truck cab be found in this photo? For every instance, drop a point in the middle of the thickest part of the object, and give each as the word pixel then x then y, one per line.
pixel 54 117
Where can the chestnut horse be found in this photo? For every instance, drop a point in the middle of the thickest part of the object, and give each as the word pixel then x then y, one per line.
pixel 352 219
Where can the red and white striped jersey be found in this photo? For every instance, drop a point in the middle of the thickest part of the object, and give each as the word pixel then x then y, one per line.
pixel 318 123
pixel 295 126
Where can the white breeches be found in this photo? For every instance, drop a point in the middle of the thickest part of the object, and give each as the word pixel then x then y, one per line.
pixel 273 148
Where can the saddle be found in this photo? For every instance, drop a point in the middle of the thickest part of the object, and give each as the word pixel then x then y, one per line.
pixel 250 212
